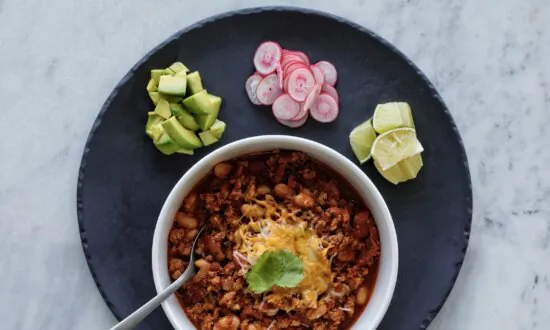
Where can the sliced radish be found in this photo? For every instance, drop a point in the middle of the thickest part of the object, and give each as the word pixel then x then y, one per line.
pixel 290 63
pixel 331 91
pixel 312 97
pixel 251 85
pixel 268 89
pixel 296 65
pixel 318 74
pixel 303 113
pixel 290 58
pixel 285 108
pixel 329 71
pixel 267 56
pixel 325 109
pixel 285 83
pixel 280 75
pixel 301 55
pixel 294 123
pixel 300 83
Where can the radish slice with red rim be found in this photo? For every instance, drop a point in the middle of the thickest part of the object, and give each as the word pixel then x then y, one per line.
pixel 290 68
pixel 318 74
pixel 285 83
pixel 301 55
pixel 312 97
pixel 267 56
pixel 331 91
pixel 280 75
pixel 300 83
pixel 325 109
pixel 268 89
pixel 285 108
pixel 294 123
pixel 251 85
pixel 290 58
pixel 329 71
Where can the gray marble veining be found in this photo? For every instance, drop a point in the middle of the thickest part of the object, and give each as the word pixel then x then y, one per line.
pixel 488 59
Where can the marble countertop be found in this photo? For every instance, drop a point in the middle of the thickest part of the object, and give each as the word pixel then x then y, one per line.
pixel 488 59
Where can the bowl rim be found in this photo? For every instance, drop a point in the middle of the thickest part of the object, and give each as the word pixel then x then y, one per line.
pixel 389 254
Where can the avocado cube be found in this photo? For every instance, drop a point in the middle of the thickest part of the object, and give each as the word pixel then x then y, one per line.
pixel 182 136
pixel 188 121
pixel 205 121
pixel 178 67
pixel 155 97
pixel 163 109
pixel 165 144
pixel 156 73
pixel 218 128
pixel 199 104
pixel 176 109
pixel 208 138
pixel 151 86
pixel 194 83
pixel 172 85
pixel 152 119
pixel 185 151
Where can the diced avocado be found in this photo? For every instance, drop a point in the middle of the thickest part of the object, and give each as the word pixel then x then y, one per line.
pixel 152 120
pixel 199 104
pixel 151 86
pixel 188 121
pixel 178 67
pixel 205 121
pixel 208 138
pixel 163 109
pixel 172 85
pixel 155 97
pixel 181 73
pixel 218 128
pixel 182 136
pixel 171 98
pixel 156 73
pixel 185 151
pixel 194 83
pixel 176 109
pixel 166 145
pixel 157 132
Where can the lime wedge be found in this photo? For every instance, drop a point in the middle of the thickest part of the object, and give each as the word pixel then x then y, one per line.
pixel 393 146
pixel 392 115
pixel 361 139
pixel 405 170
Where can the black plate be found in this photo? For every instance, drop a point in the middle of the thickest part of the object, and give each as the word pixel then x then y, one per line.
pixel 123 180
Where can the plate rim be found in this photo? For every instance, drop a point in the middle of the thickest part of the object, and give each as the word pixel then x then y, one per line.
pixel 255 10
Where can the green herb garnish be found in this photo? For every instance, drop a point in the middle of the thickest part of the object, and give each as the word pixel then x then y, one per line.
pixel 275 268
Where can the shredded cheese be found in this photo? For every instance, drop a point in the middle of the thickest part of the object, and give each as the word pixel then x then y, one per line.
pixel 282 229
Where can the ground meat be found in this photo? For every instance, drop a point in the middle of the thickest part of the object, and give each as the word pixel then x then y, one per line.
pixel 217 297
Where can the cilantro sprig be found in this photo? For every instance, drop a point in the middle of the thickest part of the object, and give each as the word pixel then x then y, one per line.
pixel 275 268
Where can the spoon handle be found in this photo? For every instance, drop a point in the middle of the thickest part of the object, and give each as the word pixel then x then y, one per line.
pixel 136 317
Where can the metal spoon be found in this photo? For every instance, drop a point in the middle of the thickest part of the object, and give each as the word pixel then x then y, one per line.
pixel 136 317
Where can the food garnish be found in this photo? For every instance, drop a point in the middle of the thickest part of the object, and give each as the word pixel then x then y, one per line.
pixel 285 80
pixel 396 151
pixel 182 107
pixel 275 268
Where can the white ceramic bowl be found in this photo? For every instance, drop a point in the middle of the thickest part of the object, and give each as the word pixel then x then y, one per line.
pixel 387 274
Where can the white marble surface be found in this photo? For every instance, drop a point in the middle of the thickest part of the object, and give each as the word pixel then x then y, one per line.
pixel 59 60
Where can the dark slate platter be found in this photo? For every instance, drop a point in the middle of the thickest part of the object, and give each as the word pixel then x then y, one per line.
pixel 123 180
